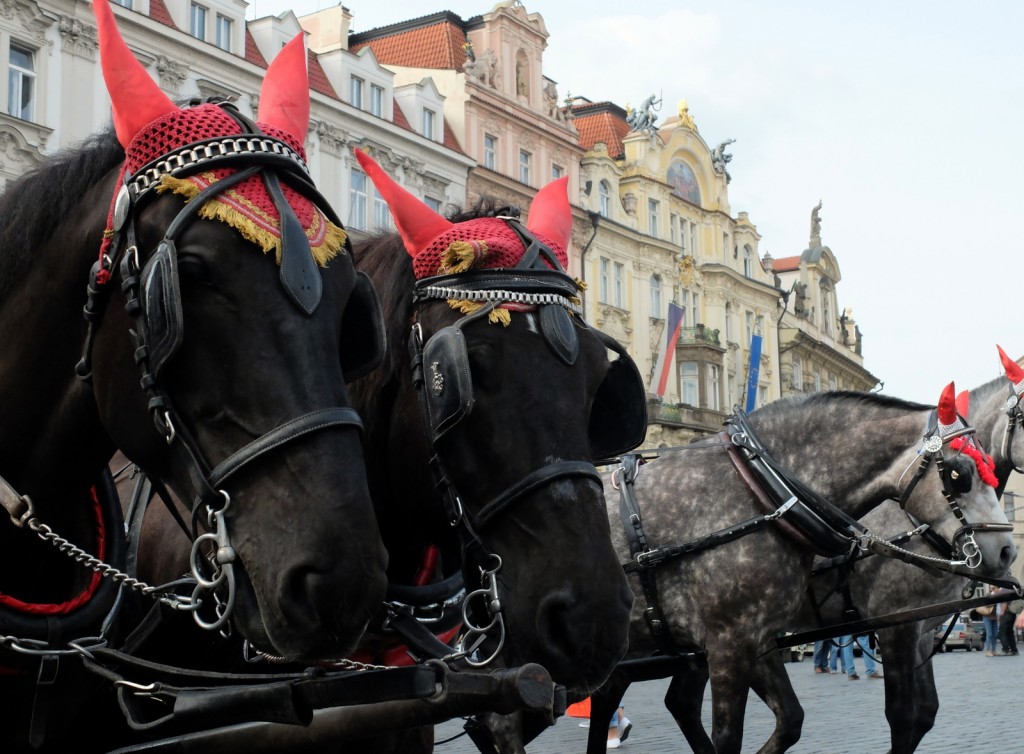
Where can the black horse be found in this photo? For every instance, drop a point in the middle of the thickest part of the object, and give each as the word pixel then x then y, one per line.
pixel 197 356
pixel 482 425
pixel 484 421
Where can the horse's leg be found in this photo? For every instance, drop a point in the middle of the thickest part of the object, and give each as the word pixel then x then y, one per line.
pixel 685 700
pixel 911 701
pixel 730 665
pixel 770 681
pixel 603 704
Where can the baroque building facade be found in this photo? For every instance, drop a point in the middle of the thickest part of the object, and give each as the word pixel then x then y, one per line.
pixel 455 109
pixel 55 97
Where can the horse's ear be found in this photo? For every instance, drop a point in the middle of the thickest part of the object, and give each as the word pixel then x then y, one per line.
pixel 284 96
pixel 1013 370
pixel 947 410
pixel 417 223
pixel 135 98
pixel 550 214
pixel 963 404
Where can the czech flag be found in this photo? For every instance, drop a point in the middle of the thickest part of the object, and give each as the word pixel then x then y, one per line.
pixel 666 357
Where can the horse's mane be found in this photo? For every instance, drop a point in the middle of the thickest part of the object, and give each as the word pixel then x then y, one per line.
pixel 829 398
pixel 32 206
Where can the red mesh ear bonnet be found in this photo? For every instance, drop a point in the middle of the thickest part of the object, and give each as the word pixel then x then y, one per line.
pixel 440 247
pixel 149 126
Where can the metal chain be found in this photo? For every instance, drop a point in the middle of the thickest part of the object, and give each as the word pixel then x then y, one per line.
pixel 80 556
pixel 505 297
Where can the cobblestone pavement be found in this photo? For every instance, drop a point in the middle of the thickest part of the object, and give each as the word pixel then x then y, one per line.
pixel 978 695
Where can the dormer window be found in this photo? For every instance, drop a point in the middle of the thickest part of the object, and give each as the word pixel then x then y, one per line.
pixel 224 29
pixel 429 128
pixel 355 95
pixel 376 100
pixel 197 21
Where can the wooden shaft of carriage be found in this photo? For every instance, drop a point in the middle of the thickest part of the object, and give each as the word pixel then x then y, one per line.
pixel 526 688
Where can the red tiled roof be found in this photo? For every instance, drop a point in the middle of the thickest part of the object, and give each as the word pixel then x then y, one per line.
pixel 599 126
pixel 158 12
pixel 437 45
pixel 786 264
pixel 449 138
pixel 252 50
pixel 400 120
pixel 318 80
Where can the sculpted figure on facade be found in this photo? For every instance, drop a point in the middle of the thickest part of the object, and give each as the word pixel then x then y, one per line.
pixel 685 119
pixel 719 159
pixel 483 68
pixel 551 100
pixel 644 117
pixel 816 227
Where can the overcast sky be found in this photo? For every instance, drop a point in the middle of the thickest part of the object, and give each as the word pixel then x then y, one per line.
pixel 903 118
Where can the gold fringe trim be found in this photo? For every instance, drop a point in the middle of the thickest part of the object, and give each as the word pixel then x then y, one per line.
pixel 334 237
pixel 501 317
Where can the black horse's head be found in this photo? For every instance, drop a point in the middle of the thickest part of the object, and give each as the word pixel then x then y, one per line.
pixel 218 371
pixel 492 433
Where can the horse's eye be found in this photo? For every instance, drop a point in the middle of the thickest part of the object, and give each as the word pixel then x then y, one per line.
pixel 192 269
pixel 483 366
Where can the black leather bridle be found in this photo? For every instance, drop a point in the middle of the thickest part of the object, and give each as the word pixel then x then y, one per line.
pixel 152 298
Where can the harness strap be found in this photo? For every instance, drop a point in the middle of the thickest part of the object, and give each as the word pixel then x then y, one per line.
pixel 532 482
pixel 195 700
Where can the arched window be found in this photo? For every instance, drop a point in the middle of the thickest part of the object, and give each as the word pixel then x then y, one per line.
pixel 604 196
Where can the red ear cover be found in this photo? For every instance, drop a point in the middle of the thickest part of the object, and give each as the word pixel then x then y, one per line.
pixel 1013 370
pixel 550 214
pixel 947 405
pixel 284 96
pixel 417 223
pixel 135 98
pixel 963 404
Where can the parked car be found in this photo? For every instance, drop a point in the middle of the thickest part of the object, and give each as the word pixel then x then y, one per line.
pixel 963 636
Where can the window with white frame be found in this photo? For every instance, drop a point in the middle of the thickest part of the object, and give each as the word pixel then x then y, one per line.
pixel 759 324
pixel 357 200
pixel 604 196
pixel 557 171
pixel 124 3
pixel 693 238
pixel 524 166
pixel 21 82
pixel 434 204
pixel 798 373
pixel 381 215
pixel 749 323
pixel 748 261
pixel 490 152
pixel 685 306
pixel 833 384
pixel 672 231
pixel 224 31
pixel 712 386
pixel 429 123
pixel 688 385
pixel 730 325
pixel 817 381
pixel 376 100
pixel 656 297
pixel 618 273
pixel 653 207
pixel 696 308
pixel 197 21
pixel 355 92
pixel 604 280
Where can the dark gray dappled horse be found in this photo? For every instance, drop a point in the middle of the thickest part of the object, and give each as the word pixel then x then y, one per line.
pixel 856 450
pixel 879 586
pixel 731 600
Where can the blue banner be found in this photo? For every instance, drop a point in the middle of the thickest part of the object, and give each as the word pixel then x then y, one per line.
pixel 752 371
